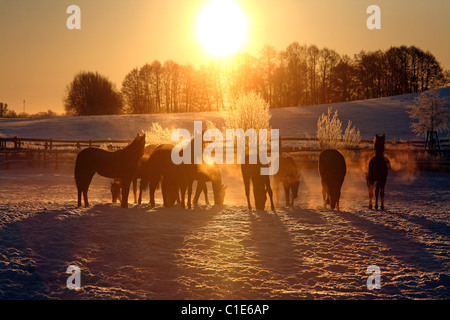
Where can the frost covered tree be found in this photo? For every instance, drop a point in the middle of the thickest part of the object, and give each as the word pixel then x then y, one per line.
pixel 329 132
pixel 430 112
pixel 248 111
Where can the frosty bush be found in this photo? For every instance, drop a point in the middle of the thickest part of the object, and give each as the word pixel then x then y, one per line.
pixel 329 132
pixel 248 111
pixel 430 112
pixel 158 135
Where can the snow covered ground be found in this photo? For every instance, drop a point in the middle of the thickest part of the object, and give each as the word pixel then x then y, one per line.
pixel 208 252
pixel 226 252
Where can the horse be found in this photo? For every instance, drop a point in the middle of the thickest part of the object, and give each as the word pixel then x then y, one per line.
pixel 211 173
pixel 332 170
pixel 261 185
pixel 378 170
pixel 288 175
pixel 175 179
pixel 115 185
pixel 121 164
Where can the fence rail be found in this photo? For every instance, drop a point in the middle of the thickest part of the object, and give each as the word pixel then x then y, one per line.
pixel 56 151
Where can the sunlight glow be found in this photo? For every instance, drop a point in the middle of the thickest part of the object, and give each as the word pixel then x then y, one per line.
pixel 222 27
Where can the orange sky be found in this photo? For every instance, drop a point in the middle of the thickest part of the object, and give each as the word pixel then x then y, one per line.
pixel 39 56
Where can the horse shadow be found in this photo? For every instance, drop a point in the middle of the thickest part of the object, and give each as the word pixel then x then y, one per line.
pixel 274 249
pixel 399 244
pixel 122 253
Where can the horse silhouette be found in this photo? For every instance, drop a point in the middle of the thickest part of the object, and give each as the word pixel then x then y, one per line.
pixel 378 170
pixel 121 164
pixel 175 179
pixel 332 170
pixel 206 173
pixel 115 185
pixel 261 185
pixel 287 175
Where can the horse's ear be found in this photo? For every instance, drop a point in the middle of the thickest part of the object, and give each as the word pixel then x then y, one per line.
pixel 383 136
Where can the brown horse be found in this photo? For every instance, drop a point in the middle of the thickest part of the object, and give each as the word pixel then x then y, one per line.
pixel 332 170
pixel 260 183
pixel 175 179
pixel 205 174
pixel 378 170
pixel 287 175
pixel 115 185
pixel 121 164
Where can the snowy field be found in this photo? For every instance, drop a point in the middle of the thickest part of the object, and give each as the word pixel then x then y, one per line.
pixel 226 252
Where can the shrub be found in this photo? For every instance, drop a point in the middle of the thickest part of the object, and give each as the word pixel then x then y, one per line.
pixel 329 132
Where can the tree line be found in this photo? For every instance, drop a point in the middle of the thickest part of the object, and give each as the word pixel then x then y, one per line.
pixel 299 75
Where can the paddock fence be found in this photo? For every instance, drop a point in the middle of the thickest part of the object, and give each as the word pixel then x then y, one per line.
pixel 45 153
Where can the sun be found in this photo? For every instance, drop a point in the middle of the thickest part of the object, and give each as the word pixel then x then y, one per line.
pixel 222 27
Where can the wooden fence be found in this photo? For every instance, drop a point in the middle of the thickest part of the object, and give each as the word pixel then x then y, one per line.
pixel 45 152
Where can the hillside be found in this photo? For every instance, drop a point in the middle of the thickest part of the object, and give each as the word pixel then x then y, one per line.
pixel 383 115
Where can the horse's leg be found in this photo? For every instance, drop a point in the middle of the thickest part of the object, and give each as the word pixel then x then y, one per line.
pixel 135 189
pixel 269 190
pixel 141 188
pixel 324 194
pixel 189 192
pixel 370 185
pixel 377 192
pixel 205 191
pixel 79 195
pixel 85 196
pixel 183 194
pixel 246 178
pixel 286 193
pixel 382 196
pixel 276 189
pixel 164 191
pixel 198 191
pixel 126 182
pixel 152 188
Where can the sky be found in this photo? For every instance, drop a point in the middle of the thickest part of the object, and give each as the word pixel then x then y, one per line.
pixel 39 55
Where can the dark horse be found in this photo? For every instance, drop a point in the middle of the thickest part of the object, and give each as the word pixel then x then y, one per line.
pixel 175 179
pixel 121 164
pixel 261 185
pixel 287 175
pixel 116 186
pixel 332 170
pixel 378 171
pixel 211 173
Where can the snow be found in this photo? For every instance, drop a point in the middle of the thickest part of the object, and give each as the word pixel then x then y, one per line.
pixel 223 252
pixel 383 115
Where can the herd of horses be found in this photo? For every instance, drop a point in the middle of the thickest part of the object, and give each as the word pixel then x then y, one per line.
pixel 154 167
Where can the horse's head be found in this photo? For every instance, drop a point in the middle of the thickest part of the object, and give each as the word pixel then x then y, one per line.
pixel 115 190
pixel 139 144
pixel 379 142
